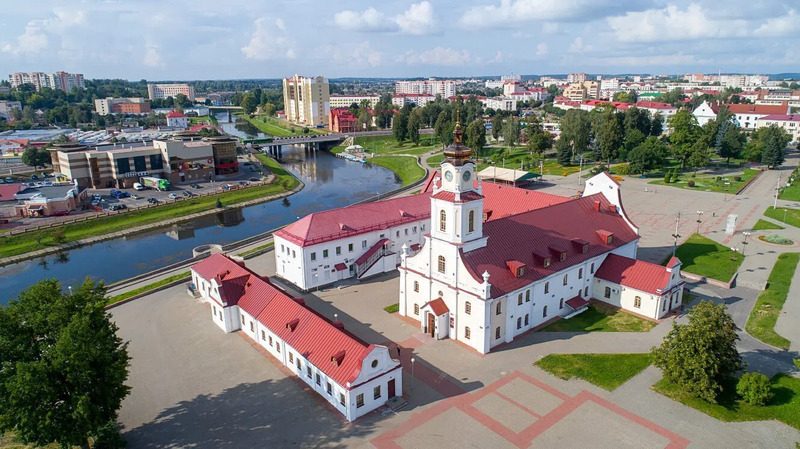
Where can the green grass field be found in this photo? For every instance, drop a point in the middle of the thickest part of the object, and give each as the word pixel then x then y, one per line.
pixel 387 145
pixel 257 249
pixel 705 257
pixel 710 183
pixel 784 406
pixel 147 288
pixel 762 225
pixel 275 127
pixel 549 166
pixel 784 215
pixel 792 192
pixel 403 166
pixel 394 308
pixel 601 318
pixel 761 323
pixel 32 241
pixel 607 371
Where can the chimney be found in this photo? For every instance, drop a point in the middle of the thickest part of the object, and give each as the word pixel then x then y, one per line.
pixel 612 208
pixel 338 325
pixel 597 206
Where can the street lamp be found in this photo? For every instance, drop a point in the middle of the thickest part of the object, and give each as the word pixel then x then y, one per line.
pixel 699 214
pixel 733 258
pixel 676 236
pixel 69 287
pixel 744 243
pixel 412 373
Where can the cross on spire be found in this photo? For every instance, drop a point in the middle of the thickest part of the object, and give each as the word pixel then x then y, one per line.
pixel 457 130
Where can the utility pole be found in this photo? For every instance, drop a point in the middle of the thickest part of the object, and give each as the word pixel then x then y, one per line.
pixel 676 236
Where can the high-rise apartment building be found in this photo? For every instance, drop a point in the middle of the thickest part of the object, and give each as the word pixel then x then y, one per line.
pixel 445 88
pixel 307 100
pixel 576 77
pixel 159 91
pixel 58 81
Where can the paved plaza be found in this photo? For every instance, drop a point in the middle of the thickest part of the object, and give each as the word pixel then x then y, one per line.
pixel 194 386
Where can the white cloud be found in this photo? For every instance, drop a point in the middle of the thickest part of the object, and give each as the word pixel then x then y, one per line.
pixel 369 20
pixel 365 54
pixel 418 19
pixel 438 56
pixel 550 28
pixel 512 12
pixel 542 49
pixel 577 46
pixel 671 24
pixel 152 58
pixel 269 41
pixel 498 57
pixel 32 41
pixel 785 25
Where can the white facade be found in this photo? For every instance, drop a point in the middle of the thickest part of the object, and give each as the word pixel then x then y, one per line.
pixel 345 101
pixel 157 91
pixel 445 88
pixel 306 100
pixel 501 103
pixel 419 100
pixel 704 113
pixel 789 123
pixel 179 122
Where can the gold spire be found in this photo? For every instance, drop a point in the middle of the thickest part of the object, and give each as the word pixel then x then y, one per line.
pixel 457 130
pixel 456 153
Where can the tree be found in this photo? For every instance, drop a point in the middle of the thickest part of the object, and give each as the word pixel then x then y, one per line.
pixel 773 141
pixel 610 136
pixel 576 130
pixel 269 109
pixel 511 132
pixel 28 114
pixel 563 152
pixel 732 144
pixel 414 123
pixel 36 157
pixel 400 127
pixel 540 142
pixel 674 97
pixel 700 355
pixel 364 121
pixel 699 156
pixel 685 133
pixel 475 135
pixel 497 126
pixel 63 366
pixel 657 125
pixel 647 156
pixel 249 103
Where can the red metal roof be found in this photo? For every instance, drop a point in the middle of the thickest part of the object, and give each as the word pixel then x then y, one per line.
pixel 636 274
pixel 577 302
pixel 463 198
pixel 416 247
pixel 783 117
pixel 314 337
pixel 438 307
pixel 553 226
pixel 654 105
pixel 175 114
pixel 760 109
pixel 7 191
pixel 340 266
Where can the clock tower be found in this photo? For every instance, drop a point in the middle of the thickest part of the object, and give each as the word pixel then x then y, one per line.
pixel 457 205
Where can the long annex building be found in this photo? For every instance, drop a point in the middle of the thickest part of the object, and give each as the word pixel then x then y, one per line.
pixel 483 263
pixel 355 378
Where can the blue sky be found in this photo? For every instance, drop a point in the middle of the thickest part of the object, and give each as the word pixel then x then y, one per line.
pixel 205 39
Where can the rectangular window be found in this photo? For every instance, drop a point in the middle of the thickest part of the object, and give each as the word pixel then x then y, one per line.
pixel 376 392
pixel 283 249
pixel 330 388
pixel 637 302
pixel 580 273
pixel 363 244
pixel 291 358
pixel 466 333
pixel 591 269
pixel 252 328
pixel 519 299
pixel 308 371
pixel 414 230
pixel 242 320
pixel 350 247
pixel 452 322
pixel 139 163
pixel 214 309
pixel 294 255
pixel 319 379
pixel 406 231
pixel 397 233
pixel 270 340
pixel 341 398
pixel 278 347
pixel 324 253
pixel 299 365
pixel 123 166
pixel 338 250
pixel 547 287
pixel 360 400
pixel 156 163
pixel 497 332
pixel 313 256
pixel 565 279
pixel 607 292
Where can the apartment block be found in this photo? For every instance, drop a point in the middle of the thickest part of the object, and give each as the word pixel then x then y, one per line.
pixel 445 88
pixel 158 91
pixel 307 100
pixel 58 81
pixel 105 106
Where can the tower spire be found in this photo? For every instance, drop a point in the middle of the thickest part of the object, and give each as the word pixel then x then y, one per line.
pixel 457 129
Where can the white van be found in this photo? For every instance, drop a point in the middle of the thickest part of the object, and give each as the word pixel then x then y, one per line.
pixel 138 186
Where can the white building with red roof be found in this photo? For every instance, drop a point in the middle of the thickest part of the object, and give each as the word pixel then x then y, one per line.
pixel 351 375
pixel 177 120
pixel 706 112
pixel 485 282
pixel 789 122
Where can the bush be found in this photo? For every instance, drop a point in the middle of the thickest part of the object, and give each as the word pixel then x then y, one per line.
pixel 690 183
pixel 218 204
pixel 623 169
pixel 754 388
pixel 667 176
pixel 777 239
pixel 737 178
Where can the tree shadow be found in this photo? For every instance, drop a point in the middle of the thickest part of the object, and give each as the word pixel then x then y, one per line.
pixel 271 413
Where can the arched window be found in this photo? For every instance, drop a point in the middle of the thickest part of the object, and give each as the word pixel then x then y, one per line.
pixel 561 304
pixel 519 323
pixel 499 308
pixel 544 312
pixel 416 286
pixel 519 299
pixel 467 308
pixel 526 319
pixel 442 220
pixel 441 264
pixel 471 221
pixel 547 287
pixel 416 309
pixel 466 333
pixel 528 296
pixel 607 292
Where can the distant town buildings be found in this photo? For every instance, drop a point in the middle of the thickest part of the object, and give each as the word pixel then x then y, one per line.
pixel 420 100
pixel 57 81
pixel 445 88
pixel 176 120
pixel 576 77
pixel 306 100
pixel 345 101
pixel 789 122
pixel 581 91
pixel 7 107
pixel 160 91
pixel 105 106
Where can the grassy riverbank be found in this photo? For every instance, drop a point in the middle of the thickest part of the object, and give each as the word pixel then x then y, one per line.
pixel 36 240
pixel 274 127
pixel 147 288
pixel 405 167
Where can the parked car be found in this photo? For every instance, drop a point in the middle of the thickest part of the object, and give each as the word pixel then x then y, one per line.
pixel 135 197
pixel 119 194
pixel 152 200
pixel 2 182
pixel 117 207
pixel 44 174
pixel 9 179
pixel 34 177
pixel 138 186
pixel 254 179
pixel 195 186
pixel 60 213
pixel 173 196
pixel 187 193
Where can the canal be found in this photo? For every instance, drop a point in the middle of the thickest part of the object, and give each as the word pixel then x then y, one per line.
pixel 330 182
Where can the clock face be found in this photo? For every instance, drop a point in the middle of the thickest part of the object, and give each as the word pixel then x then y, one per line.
pixel 466 176
pixel 448 175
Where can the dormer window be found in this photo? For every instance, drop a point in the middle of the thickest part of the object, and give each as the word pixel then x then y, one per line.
pixel 585 248
pixel 516 267
pixel 338 358
pixel 610 239
pixel 563 256
pixel 546 262
pixel 520 272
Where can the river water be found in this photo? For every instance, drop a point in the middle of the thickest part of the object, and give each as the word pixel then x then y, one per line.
pixel 330 182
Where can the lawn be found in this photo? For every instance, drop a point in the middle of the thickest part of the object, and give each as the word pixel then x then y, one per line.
pixel 761 323
pixel 607 371
pixel 784 406
pixel 711 183
pixel 403 166
pixel 705 257
pixel 387 145
pixel 792 191
pixel 31 241
pixel 394 308
pixel 147 288
pixel 601 318
pixel 257 249
pixel 275 127
pixel 435 161
pixel 762 225
pixel 785 215
pixel 549 166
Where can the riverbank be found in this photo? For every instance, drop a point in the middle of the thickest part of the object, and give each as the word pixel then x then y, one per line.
pixel 274 127
pixel 39 243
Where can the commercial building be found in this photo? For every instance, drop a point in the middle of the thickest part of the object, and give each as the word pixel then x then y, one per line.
pixel 445 88
pixel 57 81
pixel 7 108
pixel 789 122
pixel 224 150
pixel 352 376
pixel 307 100
pixel 13 147
pixel 501 103
pixel 159 91
pixel 137 105
pixel 45 200
pixel 345 101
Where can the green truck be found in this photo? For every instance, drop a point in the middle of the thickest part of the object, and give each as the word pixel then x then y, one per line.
pixel 155 183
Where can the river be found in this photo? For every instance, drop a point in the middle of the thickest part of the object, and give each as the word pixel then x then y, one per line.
pixel 330 182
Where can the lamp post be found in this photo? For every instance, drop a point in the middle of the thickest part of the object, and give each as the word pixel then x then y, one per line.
pixel 69 287
pixel 580 171
pixel 744 243
pixel 733 259
pixel 699 214
pixel 777 191
pixel 676 236
pixel 412 373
